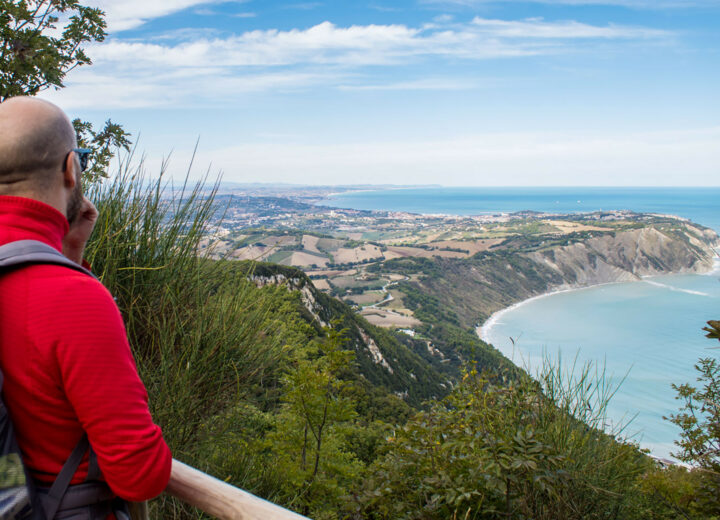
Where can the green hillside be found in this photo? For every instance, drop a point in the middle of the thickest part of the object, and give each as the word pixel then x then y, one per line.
pixel 258 378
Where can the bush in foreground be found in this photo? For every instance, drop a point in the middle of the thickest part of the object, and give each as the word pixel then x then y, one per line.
pixel 498 449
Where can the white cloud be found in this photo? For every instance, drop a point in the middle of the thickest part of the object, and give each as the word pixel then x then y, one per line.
pixel 128 14
pixel 175 69
pixel 633 4
pixel 327 43
pixel 538 28
pixel 363 44
pixel 176 88
pixel 688 157
pixel 424 84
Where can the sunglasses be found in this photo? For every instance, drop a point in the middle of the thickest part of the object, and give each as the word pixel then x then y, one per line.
pixel 83 155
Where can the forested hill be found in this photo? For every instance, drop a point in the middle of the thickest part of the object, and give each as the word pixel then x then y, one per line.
pixel 412 368
pixel 525 266
pixel 439 368
pixel 450 297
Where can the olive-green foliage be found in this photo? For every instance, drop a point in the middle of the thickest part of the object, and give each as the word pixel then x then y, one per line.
pixel 442 325
pixel 675 492
pixel 302 454
pixel 713 329
pixel 104 145
pixel 502 449
pixel 203 336
pixel 308 441
pixel 699 420
pixel 32 57
pixel 602 465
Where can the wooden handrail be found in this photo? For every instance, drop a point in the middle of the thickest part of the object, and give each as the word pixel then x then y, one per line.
pixel 220 499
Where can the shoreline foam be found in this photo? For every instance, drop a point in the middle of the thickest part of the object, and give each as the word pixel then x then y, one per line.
pixel 658 448
pixel 483 330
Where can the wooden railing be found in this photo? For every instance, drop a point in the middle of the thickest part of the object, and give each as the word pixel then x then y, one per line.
pixel 220 499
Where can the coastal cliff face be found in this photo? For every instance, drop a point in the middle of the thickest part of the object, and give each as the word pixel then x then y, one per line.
pixel 480 286
pixel 630 255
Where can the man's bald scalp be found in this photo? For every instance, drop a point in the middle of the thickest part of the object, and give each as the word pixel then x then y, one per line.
pixel 35 137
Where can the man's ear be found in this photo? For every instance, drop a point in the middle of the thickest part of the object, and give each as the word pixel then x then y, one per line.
pixel 70 171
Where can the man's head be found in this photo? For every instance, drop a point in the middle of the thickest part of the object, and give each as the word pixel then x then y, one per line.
pixel 36 140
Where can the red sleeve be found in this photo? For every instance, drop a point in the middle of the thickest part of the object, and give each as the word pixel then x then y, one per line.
pixel 102 384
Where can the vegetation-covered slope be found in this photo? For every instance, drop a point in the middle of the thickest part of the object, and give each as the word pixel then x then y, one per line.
pixel 262 381
pixel 527 266
pixel 380 357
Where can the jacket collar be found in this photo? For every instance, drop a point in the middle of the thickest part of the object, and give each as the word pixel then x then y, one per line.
pixel 29 219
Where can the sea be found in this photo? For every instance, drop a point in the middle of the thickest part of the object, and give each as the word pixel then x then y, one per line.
pixel 644 336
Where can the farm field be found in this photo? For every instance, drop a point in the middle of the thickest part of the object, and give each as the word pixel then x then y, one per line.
pixel 389 319
pixel 350 254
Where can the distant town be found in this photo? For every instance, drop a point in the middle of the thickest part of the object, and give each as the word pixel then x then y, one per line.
pixel 348 253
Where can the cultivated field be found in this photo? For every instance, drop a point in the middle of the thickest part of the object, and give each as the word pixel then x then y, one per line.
pixel 573 227
pixel 367 298
pixel 310 243
pixel 389 319
pixel 322 284
pixel 357 254
pixel 402 252
pixel 257 253
pixel 298 259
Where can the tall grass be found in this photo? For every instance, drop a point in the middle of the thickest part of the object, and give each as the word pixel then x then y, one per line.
pixel 198 328
pixel 602 465
pixel 582 391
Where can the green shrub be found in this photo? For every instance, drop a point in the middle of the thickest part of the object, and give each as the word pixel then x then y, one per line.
pixel 674 492
pixel 508 449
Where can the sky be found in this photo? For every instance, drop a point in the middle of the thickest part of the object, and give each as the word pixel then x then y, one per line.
pixel 450 92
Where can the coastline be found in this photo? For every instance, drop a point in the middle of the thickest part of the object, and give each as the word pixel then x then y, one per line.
pixel 368 190
pixel 647 404
pixel 483 331
pixel 560 200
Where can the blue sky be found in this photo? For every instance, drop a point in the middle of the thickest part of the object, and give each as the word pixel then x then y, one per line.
pixel 453 92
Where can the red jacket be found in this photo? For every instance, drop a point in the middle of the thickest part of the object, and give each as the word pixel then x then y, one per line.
pixel 68 367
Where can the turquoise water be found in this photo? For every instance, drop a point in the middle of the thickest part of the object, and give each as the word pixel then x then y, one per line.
pixel 700 205
pixel 648 331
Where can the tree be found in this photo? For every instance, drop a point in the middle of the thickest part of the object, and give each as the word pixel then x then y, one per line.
pixel 699 419
pixel 35 57
pixel 103 143
pixel 713 330
pixel 309 442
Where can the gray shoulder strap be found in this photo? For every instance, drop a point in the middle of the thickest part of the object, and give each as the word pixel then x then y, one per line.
pixel 62 482
pixel 24 252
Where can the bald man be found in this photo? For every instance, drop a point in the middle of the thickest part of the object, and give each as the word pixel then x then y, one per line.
pixel 69 371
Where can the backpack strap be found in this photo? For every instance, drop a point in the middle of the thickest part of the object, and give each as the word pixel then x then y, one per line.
pixel 32 252
pixel 26 252
pixel 62 482
pixel 94 472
